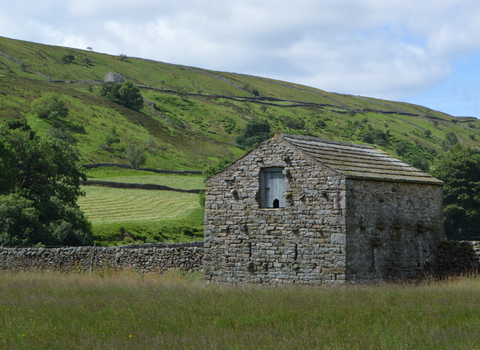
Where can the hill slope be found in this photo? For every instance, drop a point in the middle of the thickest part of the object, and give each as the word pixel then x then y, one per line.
pixel 192 116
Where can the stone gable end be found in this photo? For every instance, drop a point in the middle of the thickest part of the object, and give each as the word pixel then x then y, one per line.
pixel 302 242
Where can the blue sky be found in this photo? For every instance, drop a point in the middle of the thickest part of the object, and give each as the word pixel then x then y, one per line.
pixel 425 52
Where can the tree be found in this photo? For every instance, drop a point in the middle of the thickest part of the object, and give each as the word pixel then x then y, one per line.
pixel 451 138
pixel 401 148
pixel 50 107
pixel 7 168
pixel 125 94
pixel 40 203
pixel 254 132
pixel 460 170
pixel 135 155
pixel 211 170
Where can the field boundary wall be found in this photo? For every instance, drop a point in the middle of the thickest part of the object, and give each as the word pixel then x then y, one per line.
pixel 158 171
pixel 151 258
pixel 454 257
pixel 136 186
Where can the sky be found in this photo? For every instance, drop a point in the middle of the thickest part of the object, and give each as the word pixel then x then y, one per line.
pixel 425 52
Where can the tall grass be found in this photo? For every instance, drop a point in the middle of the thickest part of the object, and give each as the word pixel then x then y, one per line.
pixel 129 311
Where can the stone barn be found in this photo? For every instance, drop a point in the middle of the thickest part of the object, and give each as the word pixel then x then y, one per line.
pixel 309 211
pixel 113 77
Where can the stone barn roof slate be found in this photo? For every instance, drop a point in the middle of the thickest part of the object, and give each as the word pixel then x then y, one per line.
pixel 358 161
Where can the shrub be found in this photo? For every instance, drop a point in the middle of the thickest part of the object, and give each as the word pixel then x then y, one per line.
pixel 368 137
pixel 294 124
pixel 67 59
pixel 125 94
pixel 135 155
pixel 451 138
pixel 50 106
pixel 254 132
pixel 320 123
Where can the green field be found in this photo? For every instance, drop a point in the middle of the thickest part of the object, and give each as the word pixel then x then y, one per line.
pixel 128 216
pixel 123 310
pixel 107 205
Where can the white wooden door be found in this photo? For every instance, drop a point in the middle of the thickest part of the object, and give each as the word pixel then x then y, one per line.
pixel 273 188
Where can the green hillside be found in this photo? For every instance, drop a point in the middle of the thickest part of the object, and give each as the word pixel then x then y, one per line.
pixel 192 116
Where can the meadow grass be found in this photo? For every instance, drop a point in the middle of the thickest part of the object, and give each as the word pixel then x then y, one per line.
pixel 124 310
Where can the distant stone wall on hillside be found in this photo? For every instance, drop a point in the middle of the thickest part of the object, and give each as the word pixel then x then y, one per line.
pixel 136 186
pixel 158 171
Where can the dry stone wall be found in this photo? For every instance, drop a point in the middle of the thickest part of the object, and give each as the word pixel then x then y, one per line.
pixel 453 258
pixel 145 259
pixel 458 257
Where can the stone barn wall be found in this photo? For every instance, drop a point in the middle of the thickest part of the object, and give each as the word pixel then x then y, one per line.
pixel 393 229
pixel 113 77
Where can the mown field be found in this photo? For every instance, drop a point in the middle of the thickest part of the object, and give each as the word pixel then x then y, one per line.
pixel 128 311
pixel 106 205
pixel 126 216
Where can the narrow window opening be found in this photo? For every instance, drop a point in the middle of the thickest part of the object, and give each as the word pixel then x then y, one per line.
pixel 249 249
pixel 296 252
pixel 272 188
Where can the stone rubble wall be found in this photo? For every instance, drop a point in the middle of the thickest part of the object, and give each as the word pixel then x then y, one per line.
pixel 141 258
pixel 137 186
pixel 454 257
pixel 458 257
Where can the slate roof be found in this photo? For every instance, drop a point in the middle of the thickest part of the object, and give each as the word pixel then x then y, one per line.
pixel 359 161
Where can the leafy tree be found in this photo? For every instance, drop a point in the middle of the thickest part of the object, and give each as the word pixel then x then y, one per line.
pixel 211 170
pixel 50 107
pixel 135 155
pixel 451 138
pixel 40 203
pixel 401 148
pixel 368 137
pixel 62 135
pixel 254 132
pixel 125 94
pixel 420 163
pixel 460 170
pixel 7 168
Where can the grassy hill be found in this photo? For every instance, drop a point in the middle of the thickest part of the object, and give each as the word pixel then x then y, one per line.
pixel 192 115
